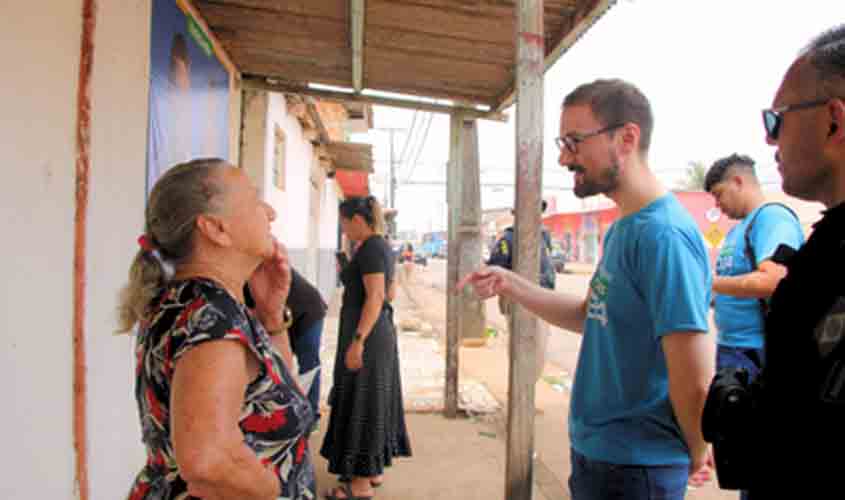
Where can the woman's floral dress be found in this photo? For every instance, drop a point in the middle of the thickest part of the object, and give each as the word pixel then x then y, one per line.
pixel 275 417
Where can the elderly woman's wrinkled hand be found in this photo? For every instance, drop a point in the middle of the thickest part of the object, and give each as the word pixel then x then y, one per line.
pixel 487 282
pixel 269 285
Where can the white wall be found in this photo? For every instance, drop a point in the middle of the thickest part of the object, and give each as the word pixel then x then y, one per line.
pixel 327 273
pixel 40 54
pixel 120 89
pixel 37 203
pixel 292 203
pixel 263 112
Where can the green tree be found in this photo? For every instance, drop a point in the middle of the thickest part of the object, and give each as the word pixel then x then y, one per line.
pixel 694 176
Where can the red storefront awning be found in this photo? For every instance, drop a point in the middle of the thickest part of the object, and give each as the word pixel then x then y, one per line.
pixel 353 182
pixel 353 164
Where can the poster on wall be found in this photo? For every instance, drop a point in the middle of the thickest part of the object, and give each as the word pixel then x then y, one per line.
pixel 189 93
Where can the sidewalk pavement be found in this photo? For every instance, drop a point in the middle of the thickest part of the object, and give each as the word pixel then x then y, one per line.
pixel 465 458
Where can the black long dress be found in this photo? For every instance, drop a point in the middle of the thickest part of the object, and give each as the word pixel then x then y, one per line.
pixel 367 421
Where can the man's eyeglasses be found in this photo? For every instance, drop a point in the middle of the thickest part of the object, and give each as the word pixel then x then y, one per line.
pixel 773 118
pixel 571 141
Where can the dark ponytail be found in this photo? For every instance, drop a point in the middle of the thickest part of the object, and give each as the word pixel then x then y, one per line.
pixel 367 207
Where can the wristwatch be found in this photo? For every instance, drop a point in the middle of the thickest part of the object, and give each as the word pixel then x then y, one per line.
pixel 359 337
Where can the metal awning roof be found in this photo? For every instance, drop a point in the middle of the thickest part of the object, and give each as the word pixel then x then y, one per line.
pixel 459 50
pixel 351 156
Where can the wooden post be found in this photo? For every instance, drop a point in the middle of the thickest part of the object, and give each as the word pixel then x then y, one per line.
pixel 453 182
pixel 356 30
pixel 529 153
pixel 471 308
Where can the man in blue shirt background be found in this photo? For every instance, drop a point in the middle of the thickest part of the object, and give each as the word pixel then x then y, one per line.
pixel 745 275
pixel 646 361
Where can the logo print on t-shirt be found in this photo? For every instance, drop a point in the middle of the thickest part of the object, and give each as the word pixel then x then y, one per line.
pixel 724 262
pixel 599 288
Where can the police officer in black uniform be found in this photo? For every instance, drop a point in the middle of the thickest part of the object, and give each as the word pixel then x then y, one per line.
pixel 502 255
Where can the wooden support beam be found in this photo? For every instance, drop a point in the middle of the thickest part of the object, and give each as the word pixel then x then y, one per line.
pixel 584 20
pixel 356 20
pixel 453 337
pixel 263 83
pixel 523 339
pixel 322 131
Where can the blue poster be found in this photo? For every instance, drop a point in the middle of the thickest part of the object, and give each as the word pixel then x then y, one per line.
pixel 189 93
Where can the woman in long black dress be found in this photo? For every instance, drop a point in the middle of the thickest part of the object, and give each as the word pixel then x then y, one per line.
pixel 367 421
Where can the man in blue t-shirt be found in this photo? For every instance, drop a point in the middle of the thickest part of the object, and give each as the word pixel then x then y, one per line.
pixel 645 362
pixel 746 276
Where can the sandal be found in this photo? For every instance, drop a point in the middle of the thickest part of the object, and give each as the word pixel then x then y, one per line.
pixel 374 484
pixel 347 490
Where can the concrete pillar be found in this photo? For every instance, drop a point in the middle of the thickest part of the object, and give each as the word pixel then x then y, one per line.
pixel 471 309
pixel 465 313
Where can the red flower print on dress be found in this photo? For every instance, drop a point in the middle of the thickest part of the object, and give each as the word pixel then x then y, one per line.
pixel 300 450
pixel 198 311
pixel 240 334
pixel 265 423
pixel 139 361
pixel 140 491
pixel 268 364
pixel 189 310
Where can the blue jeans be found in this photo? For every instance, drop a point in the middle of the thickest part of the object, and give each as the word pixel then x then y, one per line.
pixel 306 348
pixel 594 480
pixel 740 357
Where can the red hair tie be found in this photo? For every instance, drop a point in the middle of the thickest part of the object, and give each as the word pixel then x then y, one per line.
pixel 145 244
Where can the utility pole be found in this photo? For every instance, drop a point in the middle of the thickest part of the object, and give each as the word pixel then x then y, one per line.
pixel 391 184
pixel 390 198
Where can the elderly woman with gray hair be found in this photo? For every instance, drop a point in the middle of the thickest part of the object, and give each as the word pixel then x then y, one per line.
pixel 221 415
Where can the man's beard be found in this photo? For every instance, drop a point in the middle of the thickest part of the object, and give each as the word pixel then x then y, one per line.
pixel 607 181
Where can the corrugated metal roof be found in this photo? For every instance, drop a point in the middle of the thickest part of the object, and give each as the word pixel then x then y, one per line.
pixel 462 50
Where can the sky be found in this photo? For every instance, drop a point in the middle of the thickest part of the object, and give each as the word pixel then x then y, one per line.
pixel 707 66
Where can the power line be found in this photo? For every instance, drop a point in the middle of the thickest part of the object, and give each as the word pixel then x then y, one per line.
pixel 408 139
pixel 390 186
pixel 422 145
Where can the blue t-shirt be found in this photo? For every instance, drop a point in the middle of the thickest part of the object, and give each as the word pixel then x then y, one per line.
pixel 739 320
pixel 653 279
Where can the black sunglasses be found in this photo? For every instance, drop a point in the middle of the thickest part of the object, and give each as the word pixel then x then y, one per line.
pixel 571 141
pixel 773 118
